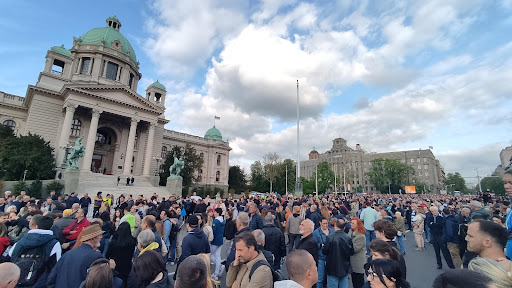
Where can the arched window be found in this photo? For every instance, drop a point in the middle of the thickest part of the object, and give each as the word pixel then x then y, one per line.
pixel 218 160
pixel 201 155
pixel 103 138
pixel 164 152
pixel 217 176
pixel 75 127
pixel 10 123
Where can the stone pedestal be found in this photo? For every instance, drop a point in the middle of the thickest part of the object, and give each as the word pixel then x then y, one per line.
pixel 154 180
pixel 71 177
pixel 174 186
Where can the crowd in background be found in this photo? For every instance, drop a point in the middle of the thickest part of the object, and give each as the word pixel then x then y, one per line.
pixel 67 241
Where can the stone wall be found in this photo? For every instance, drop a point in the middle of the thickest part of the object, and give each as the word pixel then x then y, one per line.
pixel 8 186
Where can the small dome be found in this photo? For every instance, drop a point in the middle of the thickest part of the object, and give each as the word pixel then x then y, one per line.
pixel 158 85
pixel 61 50
pixel 213 133
pixel 313 152
pixel 106 35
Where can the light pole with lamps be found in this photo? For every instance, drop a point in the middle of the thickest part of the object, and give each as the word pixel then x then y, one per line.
pixel 478 177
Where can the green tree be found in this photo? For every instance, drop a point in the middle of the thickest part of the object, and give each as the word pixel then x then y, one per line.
pixel 423 187
pixel 237 181
pixel 258 181
pixel 271 168
pixel 34 189
pixel 495 184
pixel 325 177
pixel 26 153
pixel 459 184
pixel 389 174
pixel 308 186
pixel 54 186
pixel 18 187
pixel 192 160
pixel 287 169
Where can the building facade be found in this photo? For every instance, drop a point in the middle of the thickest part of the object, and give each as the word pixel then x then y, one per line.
pixel 352 164
pixel 89 92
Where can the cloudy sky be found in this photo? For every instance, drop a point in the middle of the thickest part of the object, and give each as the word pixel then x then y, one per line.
pixel 390 75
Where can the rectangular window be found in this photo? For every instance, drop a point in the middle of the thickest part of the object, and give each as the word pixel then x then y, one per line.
pixel 425 160
pixel 112 71
pixel 426 174
pixel 412 160
pixel 131 80
pixel 419 167
pixel 86 61
pixel 418 160
pixel 425 166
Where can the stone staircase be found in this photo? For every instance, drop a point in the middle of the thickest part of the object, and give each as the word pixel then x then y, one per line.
pixel 93 182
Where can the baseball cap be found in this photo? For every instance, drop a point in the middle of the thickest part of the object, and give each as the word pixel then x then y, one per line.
pixel 192 220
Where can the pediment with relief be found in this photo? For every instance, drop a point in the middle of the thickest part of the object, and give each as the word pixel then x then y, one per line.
pixel 119 95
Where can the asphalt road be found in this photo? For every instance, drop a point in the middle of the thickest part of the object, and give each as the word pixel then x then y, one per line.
pixel 421 266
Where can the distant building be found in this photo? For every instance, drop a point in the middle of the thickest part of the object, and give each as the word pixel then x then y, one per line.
pixel 505 160
pixel 356 162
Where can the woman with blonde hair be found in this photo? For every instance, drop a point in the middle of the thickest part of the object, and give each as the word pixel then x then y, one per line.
pixel 211 283
pixel 325 212
pixel 418 228
pixel 499 271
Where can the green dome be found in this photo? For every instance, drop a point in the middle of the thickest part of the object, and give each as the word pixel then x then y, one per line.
pixel 61 50
pixel 108 34
pixel 213 133
pixel 158 85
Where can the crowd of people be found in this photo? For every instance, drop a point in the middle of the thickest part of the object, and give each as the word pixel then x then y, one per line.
pixel 66 241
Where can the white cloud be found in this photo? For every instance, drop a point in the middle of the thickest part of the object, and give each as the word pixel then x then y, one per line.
pixel 186 32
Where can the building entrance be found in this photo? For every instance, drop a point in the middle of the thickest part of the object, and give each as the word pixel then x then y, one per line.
pixel 104 149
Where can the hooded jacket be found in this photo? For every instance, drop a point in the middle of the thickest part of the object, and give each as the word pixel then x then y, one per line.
pixel 196 242
pixel 274 241
pixel 218 230
pixel 38 238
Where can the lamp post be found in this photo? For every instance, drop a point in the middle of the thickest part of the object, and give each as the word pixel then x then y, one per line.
pixel 298 184
pixel 316 181
pixel 389 188
pixel 478 177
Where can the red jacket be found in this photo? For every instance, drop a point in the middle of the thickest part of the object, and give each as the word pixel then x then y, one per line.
pixel 4 243
pixel 75 226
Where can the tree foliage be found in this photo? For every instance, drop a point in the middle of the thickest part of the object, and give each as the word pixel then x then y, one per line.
pixel 54 186
pixel 258 180
pixel 459 184
pixel 423 188
pixel 193 162
pixel 495 184
pixel 389 174
pixel 325 180
pixel 237 181
pixel 34 189
pixel 271 168
pixel 30 153
pixel 287 173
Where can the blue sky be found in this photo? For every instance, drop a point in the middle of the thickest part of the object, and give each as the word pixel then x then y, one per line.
pixel 389 75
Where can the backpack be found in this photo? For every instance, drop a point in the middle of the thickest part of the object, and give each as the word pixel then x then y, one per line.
pixel 276 275
pixel 32 263
pixel 174 231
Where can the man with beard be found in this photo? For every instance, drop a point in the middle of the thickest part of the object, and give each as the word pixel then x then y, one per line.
pixel 249 260
pixel 72 267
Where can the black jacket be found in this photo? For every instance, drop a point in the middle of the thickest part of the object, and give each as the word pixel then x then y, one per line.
pixel 338 248
pixel 436 224
pixel 230 229
pixel 274 240
pixel 268 255
pixel 309 244
pixel 256 222
pixel 315 217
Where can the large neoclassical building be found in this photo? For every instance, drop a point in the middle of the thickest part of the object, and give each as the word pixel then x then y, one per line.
pixel 90 90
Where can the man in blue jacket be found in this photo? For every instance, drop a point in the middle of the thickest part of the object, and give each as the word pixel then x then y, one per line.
pixel 256 222
pixel 218 235
pixel 436 224
pixel 196 242
pixel 451 235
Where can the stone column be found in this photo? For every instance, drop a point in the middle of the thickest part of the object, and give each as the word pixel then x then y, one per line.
pixel 149 150
pixel 91 140
pixel 65 132
pixel 129 148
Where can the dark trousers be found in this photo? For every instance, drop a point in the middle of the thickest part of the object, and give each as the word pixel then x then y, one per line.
pixel 440 246
pixel 357 280
pixel 293 239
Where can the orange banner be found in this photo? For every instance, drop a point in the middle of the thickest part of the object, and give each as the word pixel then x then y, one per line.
pixel 410 189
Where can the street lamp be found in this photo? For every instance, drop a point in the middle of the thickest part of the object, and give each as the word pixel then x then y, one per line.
pixel 389 188
pixel 478 177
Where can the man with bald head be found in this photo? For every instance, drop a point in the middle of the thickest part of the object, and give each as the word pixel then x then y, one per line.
pixel 436 224
pixel 9 275
pixel 301 269
pixel 307 242
pixel 149 223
